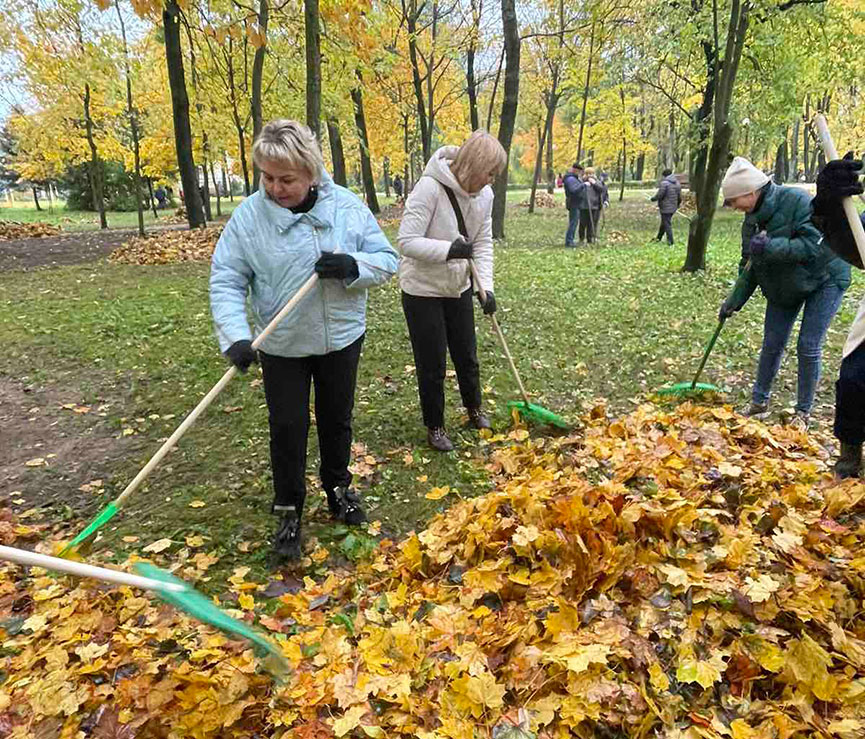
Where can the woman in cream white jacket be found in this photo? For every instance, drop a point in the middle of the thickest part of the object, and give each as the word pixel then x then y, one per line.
pixel 435 276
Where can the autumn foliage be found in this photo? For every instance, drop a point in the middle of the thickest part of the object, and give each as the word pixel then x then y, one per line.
pixel 168 247
pixel 688 573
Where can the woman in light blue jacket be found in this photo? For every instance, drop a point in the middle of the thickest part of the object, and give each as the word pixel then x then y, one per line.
pixel 300 223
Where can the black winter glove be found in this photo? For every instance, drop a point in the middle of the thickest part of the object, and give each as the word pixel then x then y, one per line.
pixel 728 308
pixel 460 249
pixel 336 266
pixel 488 305
pixel 838 179
pixel 757 245
pixel 241 354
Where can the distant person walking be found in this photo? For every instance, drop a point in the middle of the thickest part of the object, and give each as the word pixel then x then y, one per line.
pixel 592 198
pixel 668 198
pixel 573 183
pixel 397 186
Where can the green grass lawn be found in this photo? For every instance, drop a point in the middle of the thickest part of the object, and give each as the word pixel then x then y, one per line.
pixel 79 220
pixel 608 324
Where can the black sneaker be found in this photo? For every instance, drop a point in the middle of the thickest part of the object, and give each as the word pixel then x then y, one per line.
pixel 350 510
pixel 286 543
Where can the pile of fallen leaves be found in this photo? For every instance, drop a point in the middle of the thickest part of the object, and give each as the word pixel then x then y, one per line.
pixel 688 206
pixel 168 247
pixel 676 574
pixel 11 230
pixel 542 200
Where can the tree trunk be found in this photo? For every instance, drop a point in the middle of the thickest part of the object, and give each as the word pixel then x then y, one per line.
pixel 430 85
pixel 336 153
pixel 552 100
pixel 495 89
pixel 216 188
pixel 241 148
pixel 510 100
pixel 386 173
pixel 36 197
pixel 257 78
pixel 411 14
pixel 205 186
pixel 95 162
pixel 586 92
pixel 180 111
pixel 709 176
pixel 778 173
pixel 406 180
pixel 624 144
pixel 363 145
pixel 794 151
pixel 313 66
pixel 152 199
pixel 551 175
pixel 133 122
pixel 641 164
pixel 471 82
pixel 226 185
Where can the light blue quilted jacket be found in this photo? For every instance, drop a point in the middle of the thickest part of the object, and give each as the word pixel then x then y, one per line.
pixel 266 252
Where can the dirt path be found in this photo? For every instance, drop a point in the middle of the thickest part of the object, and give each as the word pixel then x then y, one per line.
pixel 75 247
pixel 51 446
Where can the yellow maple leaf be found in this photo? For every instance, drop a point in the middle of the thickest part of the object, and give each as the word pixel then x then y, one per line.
pixel 246 601
pixel 476 693
pixel 438 493
pixel 349 720
pixel 809 662
pixel 658 678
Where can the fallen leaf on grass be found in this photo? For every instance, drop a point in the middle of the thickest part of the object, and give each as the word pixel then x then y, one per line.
pixel 197 504
pixel 157 546
pixel 438 493
pixel 36 462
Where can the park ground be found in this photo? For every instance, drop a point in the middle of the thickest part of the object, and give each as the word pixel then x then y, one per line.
pixel 100 362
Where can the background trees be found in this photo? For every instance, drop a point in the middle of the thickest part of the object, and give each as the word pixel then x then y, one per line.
pixel 629 87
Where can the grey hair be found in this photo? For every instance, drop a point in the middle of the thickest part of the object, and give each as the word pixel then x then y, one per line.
pixel 291 143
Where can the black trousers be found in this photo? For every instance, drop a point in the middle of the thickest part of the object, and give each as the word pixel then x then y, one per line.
pixel 286 387
pixel 666 227
pixel 589 223
pixel 850 398
pixel 436 325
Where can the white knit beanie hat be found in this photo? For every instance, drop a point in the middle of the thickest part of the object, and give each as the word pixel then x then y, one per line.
pixel 741 178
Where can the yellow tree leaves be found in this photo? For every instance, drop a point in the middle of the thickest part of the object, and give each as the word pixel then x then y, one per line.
pixel 597 590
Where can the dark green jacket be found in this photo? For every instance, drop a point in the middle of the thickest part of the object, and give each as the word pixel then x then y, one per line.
pixel 796 262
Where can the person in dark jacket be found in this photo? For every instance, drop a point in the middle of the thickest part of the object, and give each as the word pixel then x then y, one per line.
pixel 592 197
pixel 668 198
pixel 839 179
pixel 397 186
pixel 572 182
pixel 795 272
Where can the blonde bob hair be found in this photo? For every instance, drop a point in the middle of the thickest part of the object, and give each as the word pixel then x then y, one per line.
pixel 590 171
pixel 290 143
pixel 480 153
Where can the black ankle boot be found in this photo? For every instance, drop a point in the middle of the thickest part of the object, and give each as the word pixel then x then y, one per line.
pixel 286 542
pixel 849 464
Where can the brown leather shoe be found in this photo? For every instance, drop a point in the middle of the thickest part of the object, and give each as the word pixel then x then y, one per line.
pixel 478 420
pixel 438 439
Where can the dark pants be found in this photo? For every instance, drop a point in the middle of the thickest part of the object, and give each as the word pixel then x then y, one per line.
pixel 434 325
pixel 820 308
pixel 286 388
pixel 589 223
pixel 573 222
pixel 666 227
pixel 850 398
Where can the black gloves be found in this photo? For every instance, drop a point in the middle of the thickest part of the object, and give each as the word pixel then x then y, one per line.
pixel 488 305
pixel 728 308
pixel 241 354
pixel 336 266
pixel 460 249
pixel 757 245
pixel 838 179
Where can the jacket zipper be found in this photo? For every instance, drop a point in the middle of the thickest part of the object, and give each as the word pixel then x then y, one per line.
pixel 323 292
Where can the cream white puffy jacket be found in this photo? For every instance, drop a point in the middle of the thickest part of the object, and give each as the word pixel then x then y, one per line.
pixel 429 225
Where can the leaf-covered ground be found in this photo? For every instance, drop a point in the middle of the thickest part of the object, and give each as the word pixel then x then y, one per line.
pixel 675 574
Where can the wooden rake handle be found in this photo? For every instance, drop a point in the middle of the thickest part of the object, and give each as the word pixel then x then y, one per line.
pixel 498 330
pixel 214 391
pixel 849 208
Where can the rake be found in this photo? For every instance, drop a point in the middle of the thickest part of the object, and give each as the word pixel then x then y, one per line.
pixel 169 588
pixel 107 513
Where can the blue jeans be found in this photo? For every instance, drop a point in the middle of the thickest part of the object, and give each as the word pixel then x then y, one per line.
pixel 573 222
pixel 820 307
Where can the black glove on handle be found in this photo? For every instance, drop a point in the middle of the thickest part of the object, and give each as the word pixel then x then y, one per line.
pixel 838 179
pixel 488 305
pixel 241 354
pixel 460 249
pixel 336 266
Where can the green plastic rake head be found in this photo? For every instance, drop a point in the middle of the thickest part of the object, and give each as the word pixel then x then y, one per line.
pixel 193 603
pixel 532 413
pixel 689 389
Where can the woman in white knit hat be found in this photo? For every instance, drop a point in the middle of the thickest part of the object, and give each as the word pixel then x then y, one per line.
pixel 794 271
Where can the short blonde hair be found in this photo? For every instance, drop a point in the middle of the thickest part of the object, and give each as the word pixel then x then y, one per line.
pixel 481 152
pixel 590 171
pixel 290 143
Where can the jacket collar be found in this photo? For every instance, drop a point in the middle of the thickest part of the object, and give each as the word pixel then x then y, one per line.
pixel 767 206
pixel 321 215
